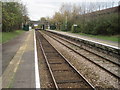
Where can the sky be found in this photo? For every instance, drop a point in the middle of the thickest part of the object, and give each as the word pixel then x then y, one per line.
pixel 47 8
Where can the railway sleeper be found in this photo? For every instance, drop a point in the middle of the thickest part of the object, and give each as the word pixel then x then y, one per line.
pixel 55 62
pixel 52 56
pixel 69 81
pixel 76 86
pixel 62 70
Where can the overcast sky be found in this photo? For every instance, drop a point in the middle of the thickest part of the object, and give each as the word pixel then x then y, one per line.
pixel 44 8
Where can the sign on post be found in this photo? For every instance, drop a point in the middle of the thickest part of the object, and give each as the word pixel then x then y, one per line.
pixel 75 25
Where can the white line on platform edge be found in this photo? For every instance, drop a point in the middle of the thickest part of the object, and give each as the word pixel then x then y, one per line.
pixel 87 40
pixel 37 78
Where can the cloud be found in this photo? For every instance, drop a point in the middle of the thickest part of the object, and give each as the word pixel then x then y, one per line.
pixel 37 10
pixel 43 8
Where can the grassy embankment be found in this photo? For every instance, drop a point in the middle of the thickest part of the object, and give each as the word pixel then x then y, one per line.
pixel 113 38
pixel 6 36
pixel 104 27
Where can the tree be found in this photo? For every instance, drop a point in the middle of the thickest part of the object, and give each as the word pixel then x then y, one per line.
pixel 43 19
pixel 13 16
pixel 0 11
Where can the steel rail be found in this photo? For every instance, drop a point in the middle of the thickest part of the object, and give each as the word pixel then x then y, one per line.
pixel 115 47
pixel 50 70
pixel 87 58
pixel 72 66
pixel 118 64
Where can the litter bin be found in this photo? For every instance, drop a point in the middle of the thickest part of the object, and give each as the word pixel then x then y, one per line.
pixel 52 27
pixel 26 27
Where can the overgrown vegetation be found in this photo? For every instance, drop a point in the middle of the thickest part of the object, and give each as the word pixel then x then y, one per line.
pixel 114 38
pixel 13 15
pixel 102 25
pixel 93 24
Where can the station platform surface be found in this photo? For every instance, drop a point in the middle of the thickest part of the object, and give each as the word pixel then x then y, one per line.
pixel 10 48
pixel 20 73
pixel 96 40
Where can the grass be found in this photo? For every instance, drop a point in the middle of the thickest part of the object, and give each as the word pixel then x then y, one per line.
pixel 6 36
pixel 114 38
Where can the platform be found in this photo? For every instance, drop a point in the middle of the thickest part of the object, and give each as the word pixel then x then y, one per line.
pixel 21 71
pixel 91 39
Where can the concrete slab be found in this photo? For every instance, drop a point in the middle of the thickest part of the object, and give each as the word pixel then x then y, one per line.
pixel 10 48
pixel 20 73
pixel 11 69
pixel 96 40
pixel 25 75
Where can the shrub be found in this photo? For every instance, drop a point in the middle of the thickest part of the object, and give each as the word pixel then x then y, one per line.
pixel 103 25
pixel 75 29
pixel 52 27
pixel 13 13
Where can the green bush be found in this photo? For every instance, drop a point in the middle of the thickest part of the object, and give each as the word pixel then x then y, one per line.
pixel 114 27
pixel 107 24
pixel 89 27
pixel 102 25
pixel 69 26
pixel 101 28
pixel 12 16
pixel 75 29
pixel 52 27
pixel 62 27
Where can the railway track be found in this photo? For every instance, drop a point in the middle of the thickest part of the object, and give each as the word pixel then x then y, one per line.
pixel 63 73
pixel 108 65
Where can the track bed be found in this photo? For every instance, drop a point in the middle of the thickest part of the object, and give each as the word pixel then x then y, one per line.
pixel 64 75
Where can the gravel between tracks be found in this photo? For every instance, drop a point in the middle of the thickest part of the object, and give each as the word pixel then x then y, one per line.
pixel 45 79
pixel 102 62
pixel 93 74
